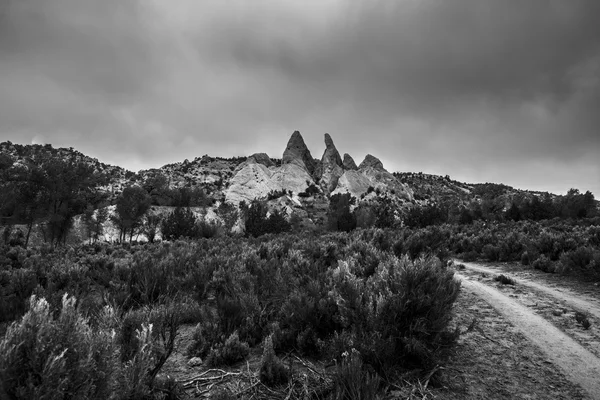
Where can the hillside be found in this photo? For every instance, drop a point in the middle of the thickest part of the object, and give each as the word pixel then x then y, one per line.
pixel 301 186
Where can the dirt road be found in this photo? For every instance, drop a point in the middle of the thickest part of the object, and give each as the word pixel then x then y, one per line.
pixel 531 307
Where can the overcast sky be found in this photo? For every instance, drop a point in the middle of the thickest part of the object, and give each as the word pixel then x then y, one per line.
pixel 499 91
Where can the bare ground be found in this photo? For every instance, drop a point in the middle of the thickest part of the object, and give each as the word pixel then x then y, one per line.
pixel 516 342
pixel 543 310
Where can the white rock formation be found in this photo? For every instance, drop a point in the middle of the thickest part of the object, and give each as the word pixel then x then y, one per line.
pixel 330 168
pixel 254 180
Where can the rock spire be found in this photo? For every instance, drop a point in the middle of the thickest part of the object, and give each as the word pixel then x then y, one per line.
pixel 296 152
pixel 348 162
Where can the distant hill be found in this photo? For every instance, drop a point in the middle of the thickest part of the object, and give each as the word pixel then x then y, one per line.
pixel 301 185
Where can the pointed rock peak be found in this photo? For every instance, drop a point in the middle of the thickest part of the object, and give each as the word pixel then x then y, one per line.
pixel 371 161
pixel 296 150
pixel 331 155
pixel 329 141
pixel 348 162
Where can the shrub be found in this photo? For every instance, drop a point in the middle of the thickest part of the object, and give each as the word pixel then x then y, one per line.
pixel 207 229
pixel 412 312
pixel 505 280
pixel 582 319
pixel 543 264
pixel 578 259
pixel 257 223
pixel 46 357
pixel 491 253
pixel 272 370
pixel 181 223
pixel 205 335
pixel 16 286
pixel 471 255
pixel 352 381
pixel 229 353
pixel 525 259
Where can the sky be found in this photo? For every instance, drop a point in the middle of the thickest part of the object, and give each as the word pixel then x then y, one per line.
pixel 481 90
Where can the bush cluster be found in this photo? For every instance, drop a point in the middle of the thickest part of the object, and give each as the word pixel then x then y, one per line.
pixel 551 246
pixel 321 296
pixel 69 356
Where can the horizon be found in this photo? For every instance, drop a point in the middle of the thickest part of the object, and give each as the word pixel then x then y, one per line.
pixel 483 91
pixel 582 190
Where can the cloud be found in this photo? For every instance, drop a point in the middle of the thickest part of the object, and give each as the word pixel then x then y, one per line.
pixel 481 89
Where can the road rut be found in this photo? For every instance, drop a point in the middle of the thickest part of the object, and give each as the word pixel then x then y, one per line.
pixel 577 363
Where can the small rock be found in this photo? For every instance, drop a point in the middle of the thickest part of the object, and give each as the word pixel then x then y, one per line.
pixel 195 362
pixel 557 313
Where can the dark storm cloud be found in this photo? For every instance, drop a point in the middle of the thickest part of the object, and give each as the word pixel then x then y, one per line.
pixel 482 90
pixel 69 66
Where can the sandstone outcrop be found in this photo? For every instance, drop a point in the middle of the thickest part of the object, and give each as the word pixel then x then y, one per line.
pixel 252 181
pixel 353 182
pixel 262 158
pixel 291 177
pixel 257 158
pixel 296 152
pixel 372 162
pixel 348 162
pixel 331 166
pixel 256 177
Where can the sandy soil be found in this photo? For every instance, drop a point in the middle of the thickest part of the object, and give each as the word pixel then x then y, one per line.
pixel 543 312
pixel 494 360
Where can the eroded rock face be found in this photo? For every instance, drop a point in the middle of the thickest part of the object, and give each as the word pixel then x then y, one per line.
pixel 331 166
pixel 296 152
pixel 257 176
pixel 252 181
pixel 371 161
pixel 348 162
pixel 291 177
pixel 353 182
pixel 256 158
pixel 262 158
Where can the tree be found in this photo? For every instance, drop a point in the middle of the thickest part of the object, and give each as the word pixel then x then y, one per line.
pixel 132 205
pixel 339 216
pixel 69 188
pixel 536 210
pixel 157 187
pixel 513 213
pixel 48 188
pixel 258 223
pixel 256 218
pixel 365 216
pixel 94 222
pixel 577 205
pixel 432 214
pixel 29 197
pixel 180 223
pixel 228 214
pixel 385 215
pixel 150 226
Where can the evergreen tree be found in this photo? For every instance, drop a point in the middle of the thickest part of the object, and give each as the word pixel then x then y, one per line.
pixel 181 223
pixel 513 213
pixel 339 216
pixel 132 205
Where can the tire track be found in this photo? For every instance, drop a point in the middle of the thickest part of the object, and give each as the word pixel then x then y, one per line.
pixel 577 363
pixel 576 301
